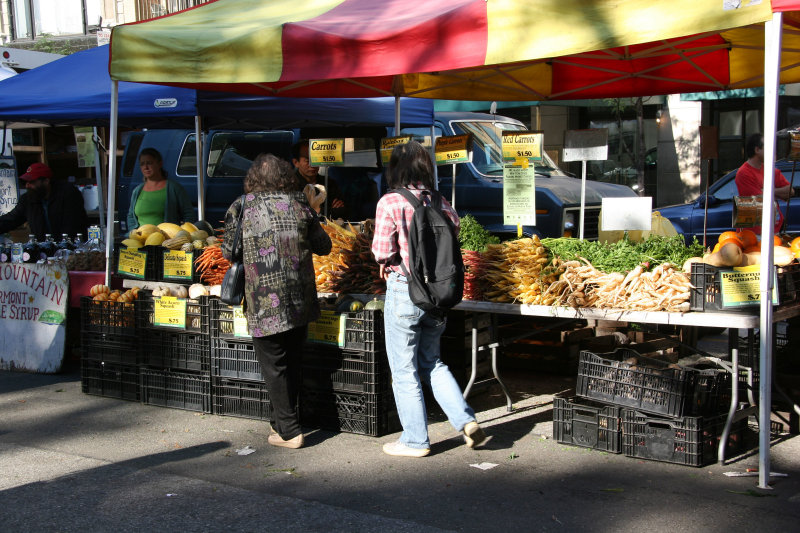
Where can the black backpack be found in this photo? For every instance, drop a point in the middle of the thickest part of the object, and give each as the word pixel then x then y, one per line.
pixel 436 279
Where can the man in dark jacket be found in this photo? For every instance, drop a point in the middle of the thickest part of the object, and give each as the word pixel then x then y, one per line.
pixel 50 206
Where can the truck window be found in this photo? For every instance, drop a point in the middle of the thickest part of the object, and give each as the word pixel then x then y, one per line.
pixel 231 154
pixel 187 162
pixel 133 145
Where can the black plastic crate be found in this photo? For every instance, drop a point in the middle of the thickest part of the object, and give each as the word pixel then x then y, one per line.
pixel 332 369
pixel 244 399
pixel 194 275
pixel 365 414
pixel 197 315
pixel 649 384
pixel 151 270
pixel 181 390
pixel 352 376
pixel 108 316
pixel 706 291
pixel 233 359
pixel 110 348
pixel 110 380
pixel 690 440
pixel 221 320
pixel 585 423
pixel 363 331
pixel 175 349
pixel 710 392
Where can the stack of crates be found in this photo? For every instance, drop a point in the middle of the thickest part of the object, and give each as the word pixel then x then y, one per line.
pixel 109 343
pixel 175 361
pixel 346 385
pixel 646 408
pixel 238 388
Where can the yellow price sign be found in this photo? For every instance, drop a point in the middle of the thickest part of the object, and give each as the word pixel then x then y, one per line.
pixel 388 144
pixel 326 152
pixel 453 149
pixel 741 287
pixel 239 322
pixel 169 311
pixel 178 264
pixel 132 263
pixel 522 145
pixel 325 329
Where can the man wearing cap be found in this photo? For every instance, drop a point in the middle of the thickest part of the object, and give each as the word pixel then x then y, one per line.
pixel 49 205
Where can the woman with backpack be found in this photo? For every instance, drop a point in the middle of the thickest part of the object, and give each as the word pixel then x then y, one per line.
pixel 412 334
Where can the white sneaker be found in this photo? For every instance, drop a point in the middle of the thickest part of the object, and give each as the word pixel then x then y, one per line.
pixel 400 449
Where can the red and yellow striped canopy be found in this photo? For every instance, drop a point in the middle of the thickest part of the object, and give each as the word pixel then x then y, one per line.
pixel 458 49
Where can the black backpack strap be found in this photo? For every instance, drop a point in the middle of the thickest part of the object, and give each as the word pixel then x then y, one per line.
pixel 408 195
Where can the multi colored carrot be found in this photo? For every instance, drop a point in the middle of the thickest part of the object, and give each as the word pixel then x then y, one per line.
pixel 212 265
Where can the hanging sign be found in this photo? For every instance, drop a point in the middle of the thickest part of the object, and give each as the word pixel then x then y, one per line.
pixel 326 152
pixel 85 144
pixel 520 152
pixel 9 194
pixel 169 311
pixel 178 265
pixel 239 322
pixel 132 263
pixel 33 307
pixel 388 144
pixel 741 287
pixel 453 149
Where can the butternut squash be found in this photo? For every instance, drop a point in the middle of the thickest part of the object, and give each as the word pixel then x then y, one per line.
pixel 729 255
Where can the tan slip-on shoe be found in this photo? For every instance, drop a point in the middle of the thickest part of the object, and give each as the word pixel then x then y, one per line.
pixel 294 443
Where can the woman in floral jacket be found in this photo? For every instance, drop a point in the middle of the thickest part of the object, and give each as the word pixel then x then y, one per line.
pixel 280 231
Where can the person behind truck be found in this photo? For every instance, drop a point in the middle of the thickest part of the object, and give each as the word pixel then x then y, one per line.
pixel 49 206
pixel 279 233
pixel 158 199
pixel 305 174
pixel 413 335
pixel 750 177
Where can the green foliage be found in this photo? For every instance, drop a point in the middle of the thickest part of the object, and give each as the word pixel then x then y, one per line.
pixel 46 43
pixel 473 236
pixel 625 255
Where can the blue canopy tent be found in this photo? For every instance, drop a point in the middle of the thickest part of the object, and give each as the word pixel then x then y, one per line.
pixel 76 90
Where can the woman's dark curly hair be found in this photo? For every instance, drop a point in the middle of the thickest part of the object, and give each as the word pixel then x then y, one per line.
pixel 410 164
pixel 269 174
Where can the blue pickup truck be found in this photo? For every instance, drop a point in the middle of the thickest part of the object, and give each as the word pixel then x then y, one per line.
pixel 688 218
pixel 478 184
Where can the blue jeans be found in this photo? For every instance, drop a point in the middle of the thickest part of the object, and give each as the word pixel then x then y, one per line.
pixel 412 346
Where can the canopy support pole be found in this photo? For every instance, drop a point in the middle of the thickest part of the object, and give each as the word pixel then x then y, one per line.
pixel 772 58
pixel 201 182
pixel 98 171
pixel 112 177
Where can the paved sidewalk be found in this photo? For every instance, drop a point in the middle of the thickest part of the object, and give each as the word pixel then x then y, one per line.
pixel 75 462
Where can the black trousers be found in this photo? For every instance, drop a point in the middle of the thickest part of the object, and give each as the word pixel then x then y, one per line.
pixel 280 357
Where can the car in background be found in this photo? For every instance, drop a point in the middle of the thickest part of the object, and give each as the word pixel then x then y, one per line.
pixel 688 218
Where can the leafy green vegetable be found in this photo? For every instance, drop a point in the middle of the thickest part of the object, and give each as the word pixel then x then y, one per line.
pixel 625 255
pixel 473 236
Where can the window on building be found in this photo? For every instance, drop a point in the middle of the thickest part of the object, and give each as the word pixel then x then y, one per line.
pixel 34 18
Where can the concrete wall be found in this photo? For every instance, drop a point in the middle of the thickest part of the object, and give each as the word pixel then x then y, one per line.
pixel 679 168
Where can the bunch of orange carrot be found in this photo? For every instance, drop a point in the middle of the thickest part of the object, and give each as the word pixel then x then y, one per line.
pixel 211 265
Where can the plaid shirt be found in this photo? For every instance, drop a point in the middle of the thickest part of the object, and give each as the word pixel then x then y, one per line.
pixel 392 220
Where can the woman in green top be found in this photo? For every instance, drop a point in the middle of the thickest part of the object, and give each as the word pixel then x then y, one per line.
pixel 158 199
